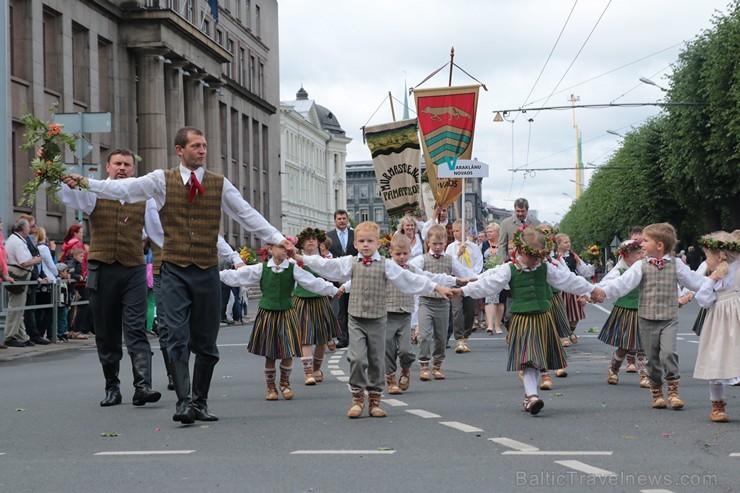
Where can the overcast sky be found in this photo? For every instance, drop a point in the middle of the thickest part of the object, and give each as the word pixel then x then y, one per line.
pixel 349 54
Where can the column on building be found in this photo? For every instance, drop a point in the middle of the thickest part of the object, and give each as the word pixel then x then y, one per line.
pixel 212 127
pixel 152 119
pixel 194 109
pixel 175 105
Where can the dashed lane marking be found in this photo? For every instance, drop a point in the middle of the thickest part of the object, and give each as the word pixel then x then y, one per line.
pixel 147 452
pixel 693 342
pixel 395 402
pixel 513 444
pixel 657 491
pixel 585 468
pixel 337 372
pixel 422 414
pixel 333 367
pixel 680 339
pixel 343 379
pixel 735 454
pixel 342 452
pixel 556 452
pixel 460 426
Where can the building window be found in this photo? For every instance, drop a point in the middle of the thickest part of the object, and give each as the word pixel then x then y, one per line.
pixel 18 44
pixel 252 63
pixel 104 74
pixel 261 82
pixel 248 14
pixel 350 192
pixel 242 57
pixel 363 215
pixel 206 26
pixel 257 21
pixel 378 215
pixel 363 192
pixel 469 218
pixel 52 45
pixel 469 186
pixel 230 66
pixel 219 37
pixel 80 64
pixel 189 11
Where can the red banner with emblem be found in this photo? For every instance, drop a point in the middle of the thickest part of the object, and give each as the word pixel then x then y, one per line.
pixel 446 123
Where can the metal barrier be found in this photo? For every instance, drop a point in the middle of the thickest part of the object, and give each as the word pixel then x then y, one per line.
pixel 56 292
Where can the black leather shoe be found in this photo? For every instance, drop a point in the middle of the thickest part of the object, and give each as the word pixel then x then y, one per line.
pixel 29 343
pixel 184 413
pixel 112 397
pixel 201 412
pixel 42 341
pixel 14 343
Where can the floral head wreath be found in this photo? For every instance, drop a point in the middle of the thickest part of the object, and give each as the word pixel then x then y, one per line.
pixel 309 232
pixel 524 248
pixel 712 244
pixel 628 247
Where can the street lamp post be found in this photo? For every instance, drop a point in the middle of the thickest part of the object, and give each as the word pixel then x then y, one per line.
pixel 614 132
pixel 649 82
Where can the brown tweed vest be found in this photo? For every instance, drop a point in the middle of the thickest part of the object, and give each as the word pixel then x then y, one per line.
pixel 397 301
pixel 115 232
pixel 443 265
pixel 369 286
pixel 658 292
pixel 191 230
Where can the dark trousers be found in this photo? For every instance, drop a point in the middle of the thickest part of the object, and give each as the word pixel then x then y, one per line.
pixel 340 307
pixel 191 298
pixel 162 330
pixel 44 316
pixel 29 316
pixel 118 306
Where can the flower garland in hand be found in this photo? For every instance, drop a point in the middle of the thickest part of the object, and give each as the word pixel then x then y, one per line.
pixel 47 167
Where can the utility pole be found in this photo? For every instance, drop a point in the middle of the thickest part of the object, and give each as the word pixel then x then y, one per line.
pixel 579 160
pixel 5 135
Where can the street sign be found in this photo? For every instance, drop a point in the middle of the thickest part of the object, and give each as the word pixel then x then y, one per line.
pixel 83 148
pixel 463 168
pixel 615 242
pixel 75 123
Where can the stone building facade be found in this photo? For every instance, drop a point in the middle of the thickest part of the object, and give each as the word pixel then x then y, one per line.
pixel 155 65
pixel 312 164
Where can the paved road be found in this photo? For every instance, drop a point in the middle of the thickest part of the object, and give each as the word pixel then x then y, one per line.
pixel 465 433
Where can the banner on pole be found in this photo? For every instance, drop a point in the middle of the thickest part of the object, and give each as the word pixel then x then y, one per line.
pixel 396 155
pixel 447 123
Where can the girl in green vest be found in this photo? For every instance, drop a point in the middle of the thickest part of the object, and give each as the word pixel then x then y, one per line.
pixel 534 344
pixel 317 324
pixel 275 333
pixel 621 328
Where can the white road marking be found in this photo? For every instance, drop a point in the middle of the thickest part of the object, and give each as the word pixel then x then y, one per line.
pixel 343 379
pixel 460 426
pixel 422 414
pixel 147 452
pixel 333 367
pixel 735 454
pixel 2 453
pixel 337 372
pixel 585 468
pixel 508 442
pixel 657 491
pixel 395 402
pixel 693 342
pixel 680 339
pixel 687 334
pixel 556 452
pixel 342 452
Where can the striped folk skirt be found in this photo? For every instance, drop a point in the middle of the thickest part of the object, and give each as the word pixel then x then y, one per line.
pixel 534 342
pixel 560 317
pixel 316 322
pixel 275 334
pixel 574 310
pixel 621 329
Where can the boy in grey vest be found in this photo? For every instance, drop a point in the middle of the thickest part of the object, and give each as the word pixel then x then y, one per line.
pixel 370 275
pixel 658 276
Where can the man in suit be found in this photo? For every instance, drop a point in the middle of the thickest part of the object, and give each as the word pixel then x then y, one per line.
pixel 342 244
pixel 511 224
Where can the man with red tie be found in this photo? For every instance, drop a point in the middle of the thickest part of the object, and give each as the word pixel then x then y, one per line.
pixel 190 201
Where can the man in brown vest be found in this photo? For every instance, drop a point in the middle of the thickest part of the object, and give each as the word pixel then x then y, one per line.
pixel 116 281
pixel 190 201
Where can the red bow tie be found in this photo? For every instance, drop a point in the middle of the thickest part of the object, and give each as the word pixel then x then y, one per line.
pixel 437 256
pixel 195 187
pixel 366 260
pixel 659 263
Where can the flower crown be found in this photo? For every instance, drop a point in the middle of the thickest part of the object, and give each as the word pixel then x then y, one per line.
pixel 309 232
pixel 524 248
pixel 712 244
pixel 626 248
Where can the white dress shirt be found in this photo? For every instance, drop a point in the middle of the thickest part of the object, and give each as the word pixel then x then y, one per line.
pixel 250 275
pixel 494 280
pixel 621 285
pixel 153 185
pixel 707 293
pixel 17 251
pixel 340 270
pixel 458 269
pixel 476 257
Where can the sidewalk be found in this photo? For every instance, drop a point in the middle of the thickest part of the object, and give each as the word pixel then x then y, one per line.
pixel 16 354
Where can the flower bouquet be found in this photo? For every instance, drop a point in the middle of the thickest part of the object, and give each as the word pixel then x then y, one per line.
pixel 591 254
pixel 248 255
pixel 47 166
pixel 385 246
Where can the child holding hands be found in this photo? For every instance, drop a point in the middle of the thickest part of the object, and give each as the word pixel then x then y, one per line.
pixel 719 343
pixel 534 344
pixel 370 275
pixel 657 276
pixel 275 334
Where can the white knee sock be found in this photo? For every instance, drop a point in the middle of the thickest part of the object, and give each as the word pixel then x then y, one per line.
pixel 716 391
pixel 531 378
